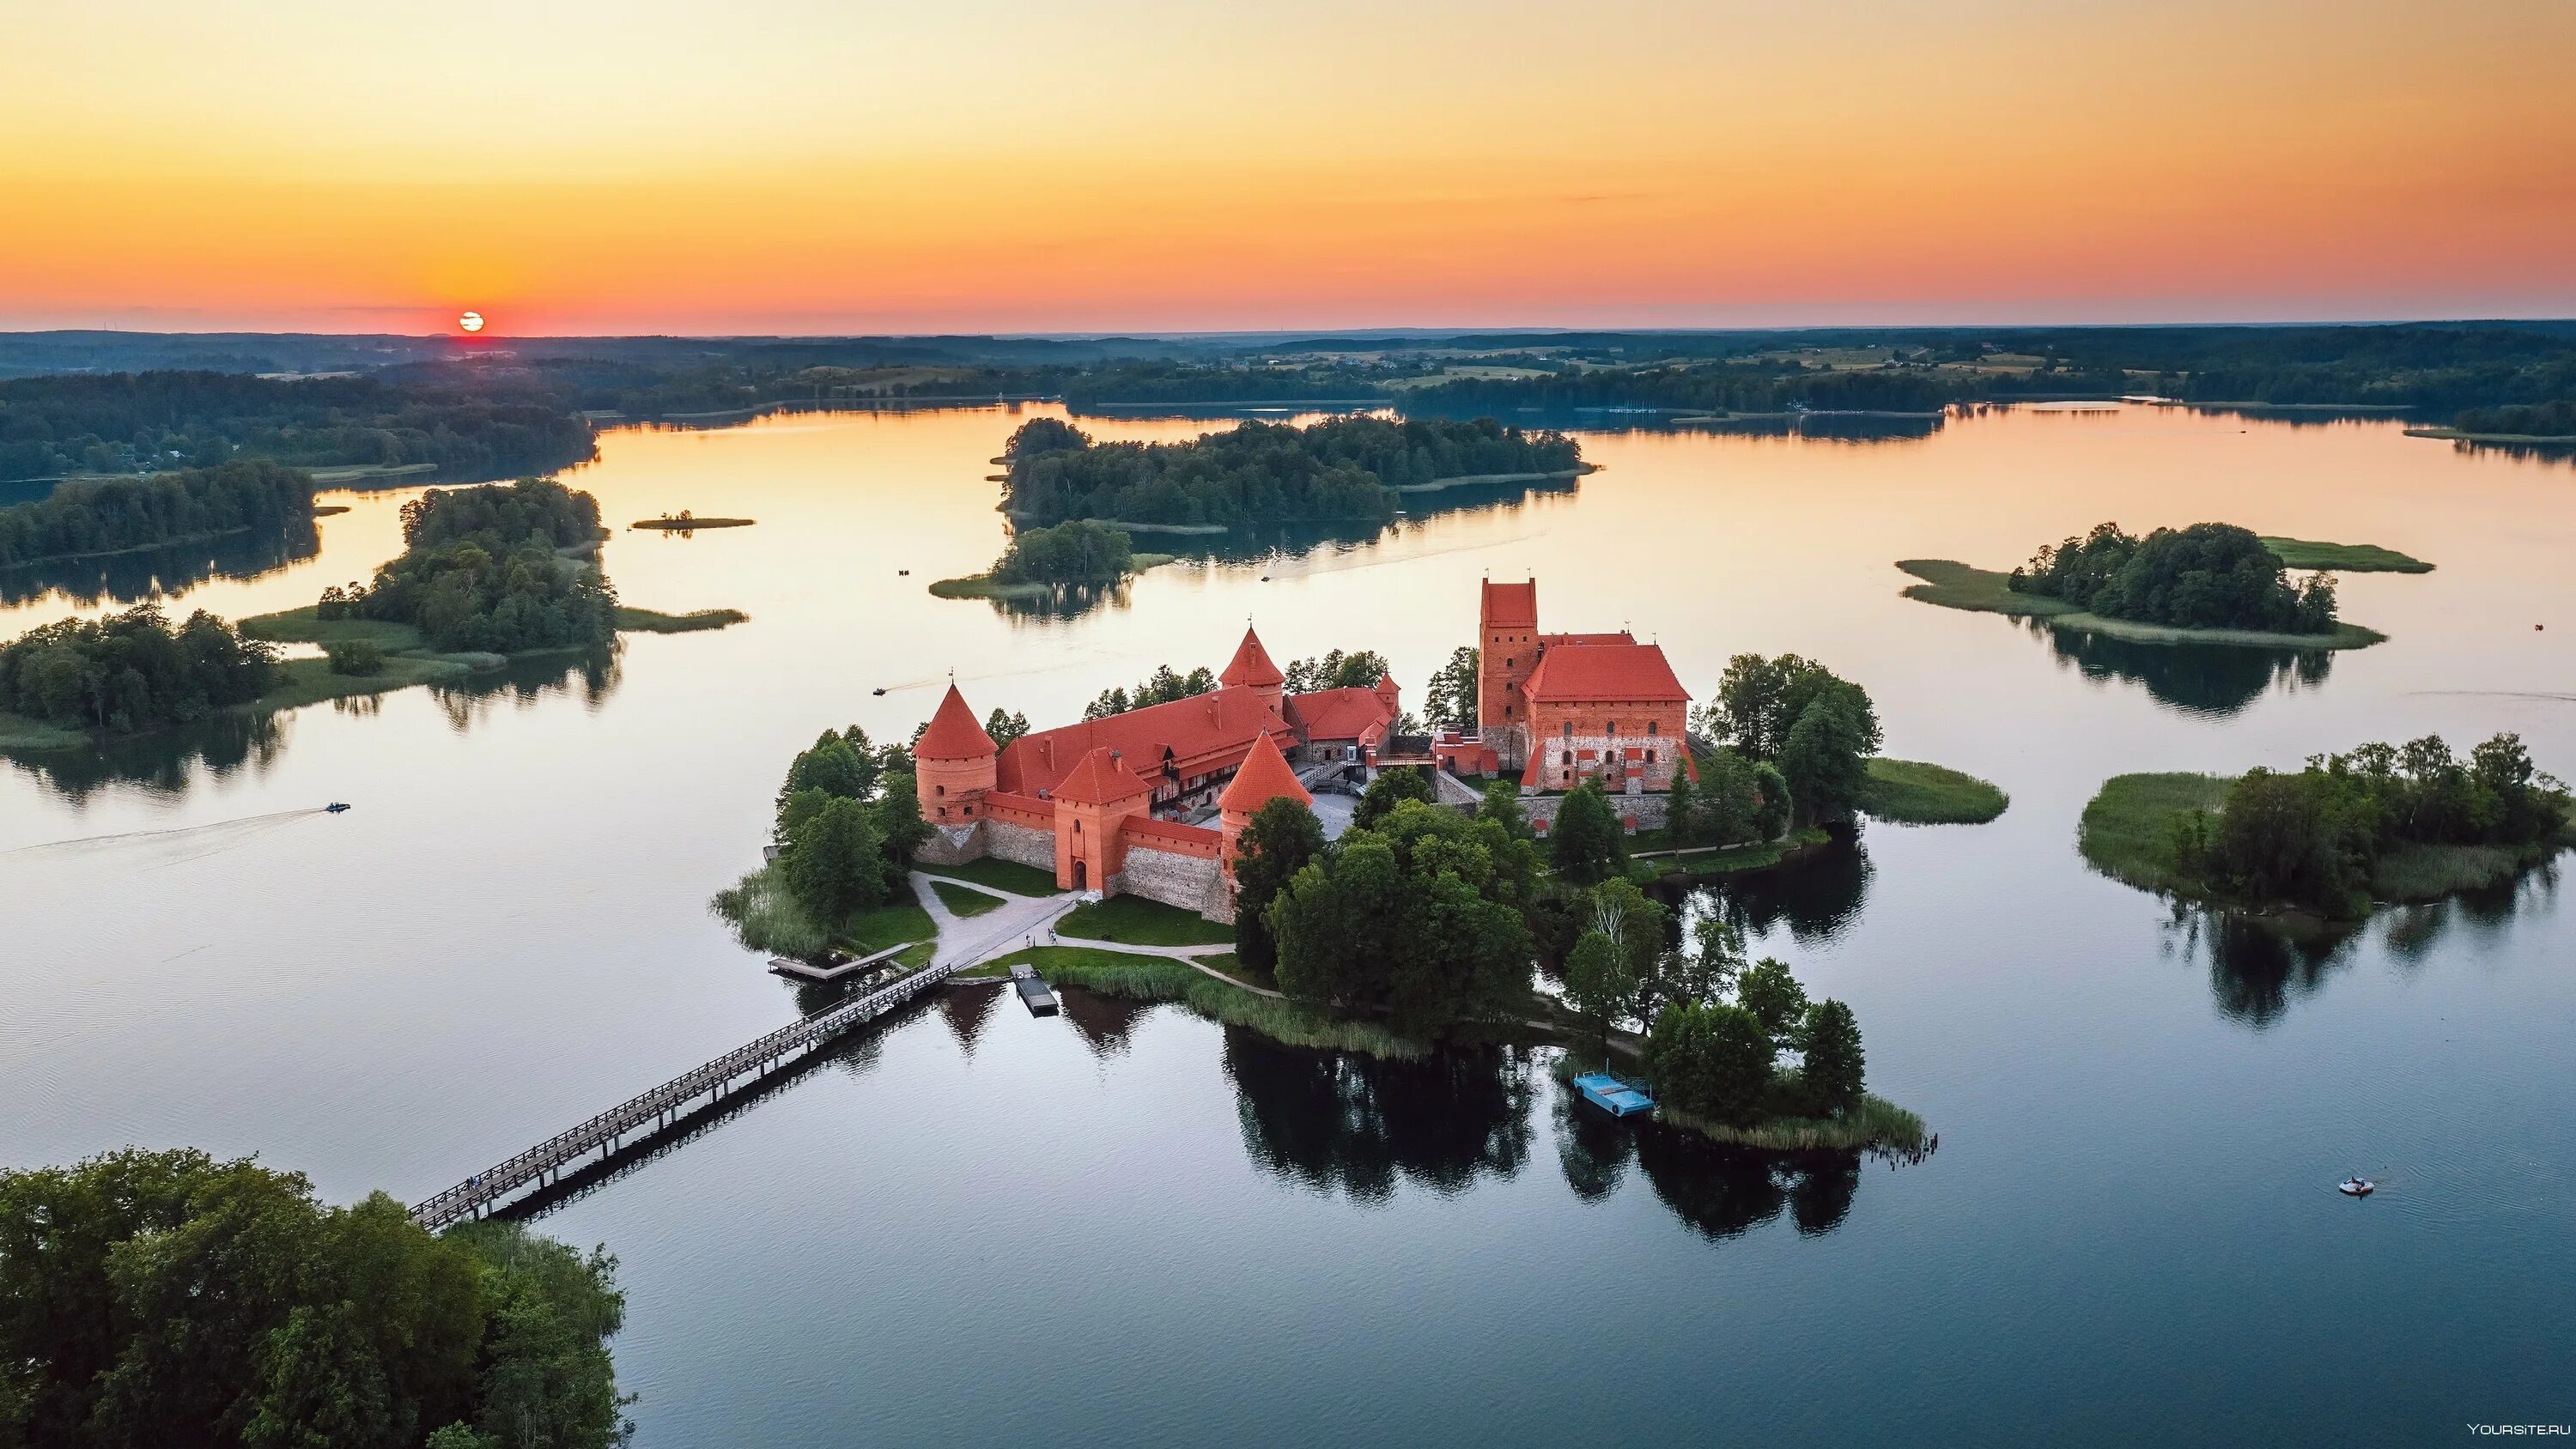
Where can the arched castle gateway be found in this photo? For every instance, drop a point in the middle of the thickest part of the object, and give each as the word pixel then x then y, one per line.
pixel 1151 802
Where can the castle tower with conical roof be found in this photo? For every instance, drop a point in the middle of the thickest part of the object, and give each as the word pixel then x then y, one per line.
pixel 953 765
pixel 1251 669
pixel 1265 777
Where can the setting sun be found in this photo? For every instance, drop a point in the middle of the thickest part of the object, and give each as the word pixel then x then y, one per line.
pixel 471 321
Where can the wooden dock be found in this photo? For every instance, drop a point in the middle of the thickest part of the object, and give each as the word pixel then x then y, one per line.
pixel 1035 994
pixel 542 1164
pixel 808 971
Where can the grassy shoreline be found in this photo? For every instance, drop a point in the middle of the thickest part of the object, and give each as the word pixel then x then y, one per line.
pixel 1913 792
pixel 2127 833
pixel 1955 585
pixel 2342 558
pixel 981 586
pixel 1160 978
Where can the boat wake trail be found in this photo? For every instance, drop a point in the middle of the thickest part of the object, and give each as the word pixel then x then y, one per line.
pixel 219 835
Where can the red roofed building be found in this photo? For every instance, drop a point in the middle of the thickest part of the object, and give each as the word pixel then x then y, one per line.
pixel 1566 708
pixel 1106 804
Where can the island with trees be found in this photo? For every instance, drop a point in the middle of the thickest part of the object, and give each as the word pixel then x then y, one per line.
pixel 1340 470
pixel 170 1297
pixel 488 574
pixel 1075 556
pixel 2382 823
pixel 2210 583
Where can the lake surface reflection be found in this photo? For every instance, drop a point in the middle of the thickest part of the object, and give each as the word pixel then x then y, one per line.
pixel 1128 1225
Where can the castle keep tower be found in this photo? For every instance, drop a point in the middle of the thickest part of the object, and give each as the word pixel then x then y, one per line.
pixel 1507 645
pixel 953 765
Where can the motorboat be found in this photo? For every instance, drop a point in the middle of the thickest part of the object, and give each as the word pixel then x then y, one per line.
pixel 336 807
pixel 2356 1187
pixel 879 690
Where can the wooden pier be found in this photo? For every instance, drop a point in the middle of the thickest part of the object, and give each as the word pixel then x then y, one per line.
pixel 807 971
pixel 542 1164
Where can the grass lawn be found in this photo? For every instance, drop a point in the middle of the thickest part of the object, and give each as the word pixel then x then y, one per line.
pixel 1877 1125
pixel 1910 792
pixel 2343 558
pixel 1001 875
pixel 888 925
pixel 1954 585
pixel 1728 859
pixel 963 901
pixel 2127 829
pixel 2413 873
pixel 1140 922
pixel 1158 978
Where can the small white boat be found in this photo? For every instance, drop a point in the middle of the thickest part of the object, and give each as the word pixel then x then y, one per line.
pixel 2356 1187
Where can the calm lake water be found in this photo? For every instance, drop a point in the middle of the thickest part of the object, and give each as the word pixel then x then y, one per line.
pixel 1131 1226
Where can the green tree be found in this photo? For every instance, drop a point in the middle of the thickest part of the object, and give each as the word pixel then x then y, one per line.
pixel 1588 843
pixel 1775 998
pixel 1701 972
pixel 1710 1061
pixel 1502 805
pixel 1451 700
pixel 1277 843
pixel 1005 728
pixel 1391 788
pixel 1825 758
pixel 1599 984
pixel 1423 915
pixel 835 862
pixel 1834 1063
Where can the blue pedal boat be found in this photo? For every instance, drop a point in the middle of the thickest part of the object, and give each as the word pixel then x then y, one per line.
pixel 1611 1095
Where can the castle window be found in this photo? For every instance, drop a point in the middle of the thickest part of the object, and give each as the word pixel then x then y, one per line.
pixel 1077 827
pixel 1569 758
pixel 1650 757
pixel 941 789
pixel 1610 728
pixel 969 811
pixel 1650 729
pixel 943 812
pixel 1569 729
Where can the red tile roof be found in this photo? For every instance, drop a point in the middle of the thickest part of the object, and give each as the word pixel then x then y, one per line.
pixel 953 733
pixel 1202 733
pixel 1251 666
pixel 1604 674
pixel 1100 779
pixel 1265 777
pixel 1514 606
pixel 1338 714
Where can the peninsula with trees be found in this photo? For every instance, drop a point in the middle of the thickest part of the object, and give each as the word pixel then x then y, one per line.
pixel 2210 583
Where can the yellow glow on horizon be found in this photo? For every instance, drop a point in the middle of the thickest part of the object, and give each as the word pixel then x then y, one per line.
pixel 797 166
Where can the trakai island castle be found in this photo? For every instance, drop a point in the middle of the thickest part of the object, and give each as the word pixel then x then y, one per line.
pixel 1151 802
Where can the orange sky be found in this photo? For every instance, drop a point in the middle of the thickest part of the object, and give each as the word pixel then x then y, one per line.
pixel 844 165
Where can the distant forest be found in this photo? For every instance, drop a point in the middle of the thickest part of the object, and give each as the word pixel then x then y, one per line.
pixel 113 515
pixel 489 569
pixel 526 406
pixel 131 423
pixel 1341 469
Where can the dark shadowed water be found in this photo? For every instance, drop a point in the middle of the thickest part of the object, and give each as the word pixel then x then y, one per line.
pixel 1129 1226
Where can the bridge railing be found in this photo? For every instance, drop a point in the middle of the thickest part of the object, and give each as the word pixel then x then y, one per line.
pixel 502 1178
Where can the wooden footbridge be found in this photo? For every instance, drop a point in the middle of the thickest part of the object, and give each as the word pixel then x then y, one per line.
pixel 544 1163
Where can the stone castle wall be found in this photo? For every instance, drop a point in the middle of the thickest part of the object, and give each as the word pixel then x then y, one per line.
pixel 1187 881
pixel 1643 812
pixel 951 845
pixel 1023 844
